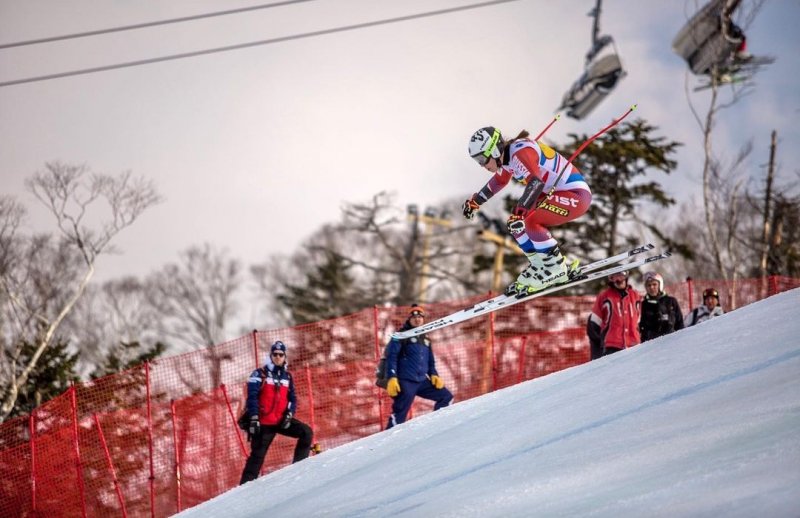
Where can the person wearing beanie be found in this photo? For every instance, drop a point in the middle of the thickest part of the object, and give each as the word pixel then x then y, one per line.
pixel 709 309
pixel 411 369
pixel 661 313
pixel 613 324
pixel 272 405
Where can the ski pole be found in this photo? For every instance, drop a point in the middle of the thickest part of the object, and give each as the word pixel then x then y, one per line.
pixel 548 127
pixel 578 151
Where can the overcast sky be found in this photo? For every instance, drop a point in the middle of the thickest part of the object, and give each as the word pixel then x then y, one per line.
pixel 254 149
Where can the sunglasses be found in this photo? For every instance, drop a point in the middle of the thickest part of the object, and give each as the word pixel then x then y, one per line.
pixel 417 314
pixel 279 355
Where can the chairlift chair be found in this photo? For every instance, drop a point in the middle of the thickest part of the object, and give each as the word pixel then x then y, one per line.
pixel 602 72
pixel 704 41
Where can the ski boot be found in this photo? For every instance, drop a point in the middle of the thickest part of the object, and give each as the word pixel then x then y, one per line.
pixel 545 270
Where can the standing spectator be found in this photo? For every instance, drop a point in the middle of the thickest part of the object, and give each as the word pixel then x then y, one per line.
pixel 271 404
pixel 710 308
pixel 661 313
pixel 614 322
pixel 411 368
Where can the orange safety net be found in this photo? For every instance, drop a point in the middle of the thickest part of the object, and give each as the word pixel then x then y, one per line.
pixel 162 437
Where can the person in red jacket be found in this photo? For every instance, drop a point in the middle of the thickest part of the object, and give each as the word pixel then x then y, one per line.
pixel 614 322
pixel 271 404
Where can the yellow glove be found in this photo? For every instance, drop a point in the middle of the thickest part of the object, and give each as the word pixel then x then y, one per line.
pixel 437 382
pixel 393 387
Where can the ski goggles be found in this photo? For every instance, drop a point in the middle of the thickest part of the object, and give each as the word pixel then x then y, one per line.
pixel 416 311
pixel 481 159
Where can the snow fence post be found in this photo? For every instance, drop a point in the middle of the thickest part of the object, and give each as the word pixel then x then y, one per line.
pixel 150 440
pixel 310 397
pixel 233 419
pixel 381 420
pixel 255 347
pixel 521 362
pixel 32 428
pixel 111 466
pixel 178 488
pixel 78 467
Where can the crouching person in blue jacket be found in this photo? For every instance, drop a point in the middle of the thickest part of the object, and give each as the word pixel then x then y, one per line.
pixel 271 405
pixel 411 368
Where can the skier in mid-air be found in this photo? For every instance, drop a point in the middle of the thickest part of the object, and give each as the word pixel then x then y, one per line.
pixel 539 168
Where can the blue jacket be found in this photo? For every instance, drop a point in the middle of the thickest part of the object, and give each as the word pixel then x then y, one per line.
pixel 410 359
pixel 271 398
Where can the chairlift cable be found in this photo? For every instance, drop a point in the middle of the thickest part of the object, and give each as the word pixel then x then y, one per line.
pixel 280 39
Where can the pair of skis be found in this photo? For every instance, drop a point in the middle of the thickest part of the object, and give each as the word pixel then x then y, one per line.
pixel 590 272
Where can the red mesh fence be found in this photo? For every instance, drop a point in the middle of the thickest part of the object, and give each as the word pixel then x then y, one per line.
pixel 162 437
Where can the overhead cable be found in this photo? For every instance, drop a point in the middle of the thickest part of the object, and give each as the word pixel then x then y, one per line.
pixel 253 44
pixel 147 24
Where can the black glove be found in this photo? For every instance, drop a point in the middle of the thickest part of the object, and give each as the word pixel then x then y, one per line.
pixel 469 208
pixel 287 421
pixel 255 426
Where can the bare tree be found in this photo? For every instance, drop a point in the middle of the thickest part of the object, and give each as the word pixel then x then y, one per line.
pixel 196 297
pixel 428 253
pixel 109 318
pixel 724 266
pixel 39 303
pixel 389 256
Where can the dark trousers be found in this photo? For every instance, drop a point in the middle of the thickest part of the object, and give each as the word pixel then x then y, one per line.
pixel 408 391
pixel 259 444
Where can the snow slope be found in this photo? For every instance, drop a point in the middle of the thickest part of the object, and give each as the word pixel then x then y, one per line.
pixel 705 422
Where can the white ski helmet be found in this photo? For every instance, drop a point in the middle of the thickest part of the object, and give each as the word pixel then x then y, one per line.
pixel 654 276
pixel 484 144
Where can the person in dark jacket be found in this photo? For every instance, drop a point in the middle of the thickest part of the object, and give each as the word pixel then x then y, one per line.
pixel 271 404
pixel 661 313
pixel 411 368
pixel 614 322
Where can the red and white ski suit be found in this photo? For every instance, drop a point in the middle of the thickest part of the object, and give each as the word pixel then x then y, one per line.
pixel 525 159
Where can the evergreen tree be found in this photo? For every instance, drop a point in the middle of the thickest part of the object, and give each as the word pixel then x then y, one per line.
pixel 329 291
pixel 127 355
pixel 54 373
pixel 615 166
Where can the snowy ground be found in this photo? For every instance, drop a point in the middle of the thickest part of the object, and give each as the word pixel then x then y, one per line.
pixel 705 422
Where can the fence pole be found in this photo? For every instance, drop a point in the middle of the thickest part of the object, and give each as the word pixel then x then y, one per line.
pixel 311 397
pixel 111 466
pixel 381 419
pixel 32 428
pixel 255 347
pixel 690 290
pixel 233 419
pixel 492 352
pixel 773 285
pixel 150 441
pixel 76 445
pixel 173 412
pixel 521 362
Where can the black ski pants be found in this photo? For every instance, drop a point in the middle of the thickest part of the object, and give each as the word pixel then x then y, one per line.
pixel 259 444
